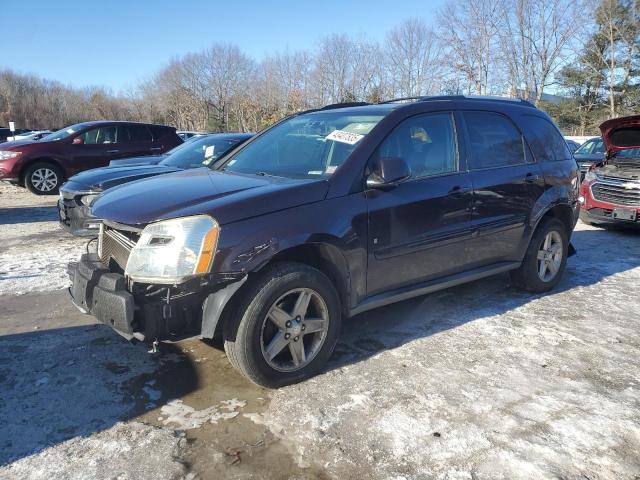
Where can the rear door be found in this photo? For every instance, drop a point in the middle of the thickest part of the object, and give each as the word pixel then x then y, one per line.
pixel 419 230
pixel 506 183
pixel 138 141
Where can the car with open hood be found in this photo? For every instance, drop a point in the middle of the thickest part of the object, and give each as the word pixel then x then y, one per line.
pixel 43 165
pixel 80 191
pixel 327 214
pixel 610 192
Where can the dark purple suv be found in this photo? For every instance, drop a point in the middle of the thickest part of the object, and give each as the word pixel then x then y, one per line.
pixel 43 166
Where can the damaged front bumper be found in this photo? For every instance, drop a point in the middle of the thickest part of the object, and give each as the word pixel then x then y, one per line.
pixel 149 312
pixel 77 219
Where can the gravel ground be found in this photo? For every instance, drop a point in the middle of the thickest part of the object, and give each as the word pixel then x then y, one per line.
pixel 479 381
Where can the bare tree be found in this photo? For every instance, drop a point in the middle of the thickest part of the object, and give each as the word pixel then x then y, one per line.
pixel 469 35
pixel 412 55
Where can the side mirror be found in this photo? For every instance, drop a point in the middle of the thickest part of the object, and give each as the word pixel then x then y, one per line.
pixel 77 141
pixel 387 172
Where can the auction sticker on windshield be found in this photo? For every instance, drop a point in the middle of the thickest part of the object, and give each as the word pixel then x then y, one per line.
pixel 344 137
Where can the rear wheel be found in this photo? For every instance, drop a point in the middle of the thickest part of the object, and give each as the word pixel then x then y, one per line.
pixel 546 258
pixel 285 326
pixel 43 178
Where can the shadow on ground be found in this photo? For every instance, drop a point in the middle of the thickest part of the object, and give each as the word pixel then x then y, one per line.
pixel 68 382
pixel 601 253
pixel 12 216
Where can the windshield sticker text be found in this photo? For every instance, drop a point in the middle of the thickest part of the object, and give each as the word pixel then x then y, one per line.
pixel 344 137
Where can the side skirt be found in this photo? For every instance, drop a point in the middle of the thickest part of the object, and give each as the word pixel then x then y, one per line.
pixel 431 286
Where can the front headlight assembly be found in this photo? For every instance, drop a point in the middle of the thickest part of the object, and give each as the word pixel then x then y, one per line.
pixel 7 154
pixel 171 251
pixel 87 200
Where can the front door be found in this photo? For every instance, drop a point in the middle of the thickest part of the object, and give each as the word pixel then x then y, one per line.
pixel 419 230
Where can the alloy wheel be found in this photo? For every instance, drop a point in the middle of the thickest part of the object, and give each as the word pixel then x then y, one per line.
pixel 550 256
pixel 44 179
pixel 294 329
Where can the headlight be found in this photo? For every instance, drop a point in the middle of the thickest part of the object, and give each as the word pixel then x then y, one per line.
pixel 6 154
pixel 170 251
pixel 87 200
pixel 590 176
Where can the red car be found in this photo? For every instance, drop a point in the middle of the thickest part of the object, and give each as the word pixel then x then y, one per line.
pixel 44 165
pixel 610 193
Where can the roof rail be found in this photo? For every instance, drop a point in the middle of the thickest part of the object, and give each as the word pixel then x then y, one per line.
pixel 332 106
pixel 459 97
pixel 344 105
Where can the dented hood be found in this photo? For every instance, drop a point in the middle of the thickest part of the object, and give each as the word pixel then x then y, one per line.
pixel 621 134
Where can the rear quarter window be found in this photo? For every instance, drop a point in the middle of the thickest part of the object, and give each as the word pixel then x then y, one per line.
pixel 547 145
pixel 158 131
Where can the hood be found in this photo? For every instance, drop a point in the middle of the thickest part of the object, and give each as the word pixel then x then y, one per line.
pixel 148 160
pixel 621 134
pixel 15 144
pixel 228 197
pixel 588 157
pixel 98 179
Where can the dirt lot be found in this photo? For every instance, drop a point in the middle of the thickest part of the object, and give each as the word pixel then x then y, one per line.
pixel 476 382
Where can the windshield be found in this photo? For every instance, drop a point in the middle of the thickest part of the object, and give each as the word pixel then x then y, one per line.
pixel 591 147
pixel 199 152
pixel 64 133
pixel 629 153
pixel 313 145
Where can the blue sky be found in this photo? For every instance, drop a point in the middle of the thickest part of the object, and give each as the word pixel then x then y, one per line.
pixel 116 43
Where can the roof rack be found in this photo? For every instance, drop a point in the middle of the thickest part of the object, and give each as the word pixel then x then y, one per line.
pixel 333 106
pixel 459 97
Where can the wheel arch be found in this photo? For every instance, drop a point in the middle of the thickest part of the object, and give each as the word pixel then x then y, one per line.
pixel 324 257
pixel 31 161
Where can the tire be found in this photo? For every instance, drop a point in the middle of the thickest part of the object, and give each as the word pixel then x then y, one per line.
pixel 528 277
pixel 43 178
pixel 264 321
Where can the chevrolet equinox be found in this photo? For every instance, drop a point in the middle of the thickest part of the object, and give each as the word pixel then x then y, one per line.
pixel 327 214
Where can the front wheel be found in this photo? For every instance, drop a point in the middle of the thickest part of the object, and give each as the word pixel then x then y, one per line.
pixel 285 326
pixel 43 178
pixel 546 258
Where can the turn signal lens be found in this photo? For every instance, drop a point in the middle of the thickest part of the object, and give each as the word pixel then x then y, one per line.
pixel 208 251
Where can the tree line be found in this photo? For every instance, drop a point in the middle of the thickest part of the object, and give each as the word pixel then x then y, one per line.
pixel 586 52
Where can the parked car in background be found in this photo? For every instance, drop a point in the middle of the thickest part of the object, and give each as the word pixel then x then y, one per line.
pixel 5 133
pixel 611 189
pixel 327 214
pixel 80 191
pixel 186 135
pixel 31 135
pixel 589 153
pixel 42 166
pixel 573 145
pixel 148 159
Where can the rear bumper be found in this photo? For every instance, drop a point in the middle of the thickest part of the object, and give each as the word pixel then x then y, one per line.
pixel 104 294
pixel 77 219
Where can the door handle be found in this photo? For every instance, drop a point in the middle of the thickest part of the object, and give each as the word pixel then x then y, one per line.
pixel 113 151
pixel 531 177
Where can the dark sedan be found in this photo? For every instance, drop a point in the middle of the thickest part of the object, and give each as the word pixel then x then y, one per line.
pixel 590 152
pixel 78 194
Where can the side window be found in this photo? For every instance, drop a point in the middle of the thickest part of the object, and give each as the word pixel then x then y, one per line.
pixel 545 141
pixel 99 136
pixel 598 147
pixel 494 141
pixel 139 133
pixel 426 142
